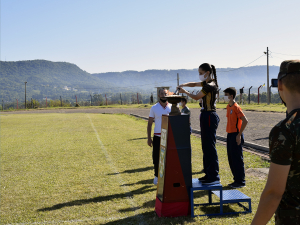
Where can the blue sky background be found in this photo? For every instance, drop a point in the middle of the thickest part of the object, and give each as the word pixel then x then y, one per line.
pixel 105 36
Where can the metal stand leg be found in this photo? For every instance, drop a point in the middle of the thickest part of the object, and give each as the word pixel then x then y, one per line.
pixel 192 202
pixel 221 200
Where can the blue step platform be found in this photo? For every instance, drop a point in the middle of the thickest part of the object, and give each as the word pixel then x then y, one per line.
pixel 226 197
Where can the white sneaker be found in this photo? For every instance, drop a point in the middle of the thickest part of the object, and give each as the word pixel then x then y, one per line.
pixel 155 180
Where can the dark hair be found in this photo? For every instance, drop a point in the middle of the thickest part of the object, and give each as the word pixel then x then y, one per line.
pixel 230 91
pixel 184 100
pixel 212 70
pixel 292 82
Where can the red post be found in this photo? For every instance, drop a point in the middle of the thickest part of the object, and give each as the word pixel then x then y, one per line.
pixel 76 99
pixel 46 102
pixel 258 94
pixel 17 104
pixel 137 97
pixel 106 99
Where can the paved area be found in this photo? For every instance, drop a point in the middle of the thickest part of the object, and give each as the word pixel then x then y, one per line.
pixel 257 131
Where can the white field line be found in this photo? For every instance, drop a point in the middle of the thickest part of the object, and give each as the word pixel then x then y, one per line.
pixel 118 177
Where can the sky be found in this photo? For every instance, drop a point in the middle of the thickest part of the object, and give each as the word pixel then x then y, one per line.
pixel 118 35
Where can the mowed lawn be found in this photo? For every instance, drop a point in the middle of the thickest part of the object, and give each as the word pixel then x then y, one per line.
pixel 93 169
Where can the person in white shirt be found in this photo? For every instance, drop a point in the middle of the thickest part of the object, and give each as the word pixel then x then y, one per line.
pixel 156 112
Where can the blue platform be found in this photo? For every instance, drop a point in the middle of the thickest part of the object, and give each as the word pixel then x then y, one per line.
pixel 226 197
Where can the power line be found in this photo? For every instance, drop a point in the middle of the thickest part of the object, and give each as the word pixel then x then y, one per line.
pixel 220 71
pixel 284 54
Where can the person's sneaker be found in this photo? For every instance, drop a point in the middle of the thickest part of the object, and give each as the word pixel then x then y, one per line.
pixel 155 180
pixel 210 182
pixel 230 184
pixel 237 185
pixel 201 179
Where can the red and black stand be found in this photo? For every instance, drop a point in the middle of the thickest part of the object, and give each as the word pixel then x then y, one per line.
pixel 175 170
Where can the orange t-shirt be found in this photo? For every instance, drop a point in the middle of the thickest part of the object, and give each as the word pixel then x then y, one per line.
pixel 234 114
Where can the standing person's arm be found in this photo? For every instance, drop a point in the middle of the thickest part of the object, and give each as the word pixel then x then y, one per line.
pixel 244 124
pixel 191 84
pixel 272 194
pixel 149 129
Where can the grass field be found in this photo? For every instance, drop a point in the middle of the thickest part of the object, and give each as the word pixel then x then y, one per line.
pixel 93 169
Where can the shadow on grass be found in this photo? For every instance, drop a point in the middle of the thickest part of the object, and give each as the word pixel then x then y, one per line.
pixel 212 209
pixel 134 170
pixel 216 209
pixel 128 194
pixel 135 139
pixel 149 181
pixel 200 172
pixel 149 204
pixel 151 218
pixel 262 138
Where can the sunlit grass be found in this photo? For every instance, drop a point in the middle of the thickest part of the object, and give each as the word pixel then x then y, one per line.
pixel 54 168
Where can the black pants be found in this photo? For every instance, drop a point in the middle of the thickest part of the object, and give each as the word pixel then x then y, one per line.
pixel 209 122
pixel 235 158
pixel 155 154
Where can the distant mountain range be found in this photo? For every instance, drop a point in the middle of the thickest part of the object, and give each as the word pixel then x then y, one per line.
pixel 54 79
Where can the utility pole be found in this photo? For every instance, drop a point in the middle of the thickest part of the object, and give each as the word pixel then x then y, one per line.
pixel 249 93
pixel 25 94
pixel 268 88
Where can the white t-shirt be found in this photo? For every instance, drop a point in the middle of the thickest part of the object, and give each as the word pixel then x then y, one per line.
pixel 156 112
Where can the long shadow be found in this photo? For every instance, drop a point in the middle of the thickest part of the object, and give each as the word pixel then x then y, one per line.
pixel 151 218
pixel 130 194
pixel 149 181
pixel 200 172
pixel 262 138
pixel 149 204
pixel 134 170
pixel 135 139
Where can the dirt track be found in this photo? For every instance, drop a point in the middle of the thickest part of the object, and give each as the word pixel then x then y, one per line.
pixel 257 131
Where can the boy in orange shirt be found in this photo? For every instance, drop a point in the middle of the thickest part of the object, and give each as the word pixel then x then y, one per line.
pixel 236 123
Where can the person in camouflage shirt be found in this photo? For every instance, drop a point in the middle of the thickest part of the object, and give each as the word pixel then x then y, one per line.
pixel 282 192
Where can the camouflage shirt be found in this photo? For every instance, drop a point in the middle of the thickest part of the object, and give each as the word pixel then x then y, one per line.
pixel 285 150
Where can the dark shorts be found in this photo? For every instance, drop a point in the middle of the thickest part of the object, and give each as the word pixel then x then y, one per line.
pixel 156 149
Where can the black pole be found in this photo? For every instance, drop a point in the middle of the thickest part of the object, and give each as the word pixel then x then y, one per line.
pixel 25 94
pixel 249 94
pixel 60 101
